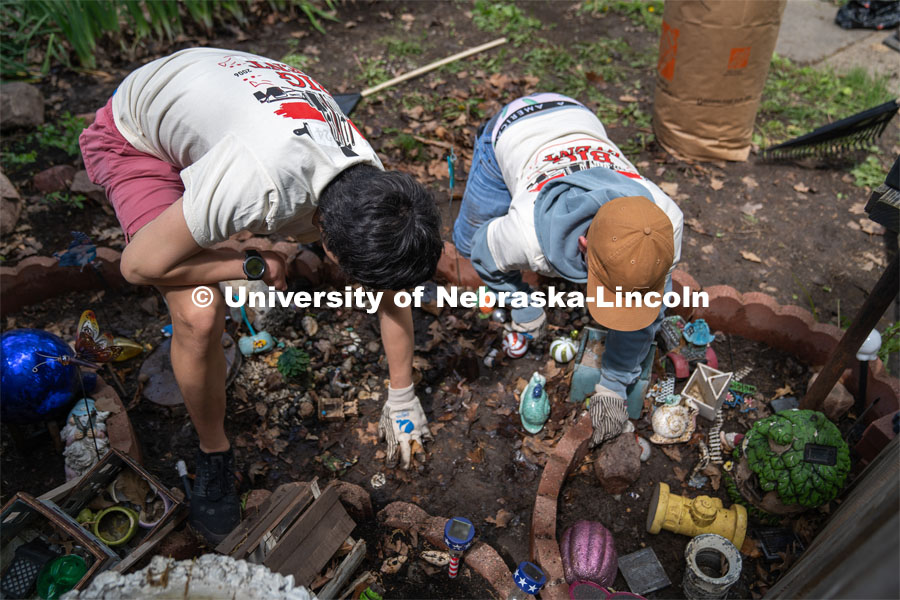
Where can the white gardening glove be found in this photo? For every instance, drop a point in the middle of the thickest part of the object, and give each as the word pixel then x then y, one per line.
pixel 403 422
pixel 536 328
pixel 608 414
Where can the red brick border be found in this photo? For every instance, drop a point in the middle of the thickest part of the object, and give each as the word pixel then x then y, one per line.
pixel 481 557
pixel 37 278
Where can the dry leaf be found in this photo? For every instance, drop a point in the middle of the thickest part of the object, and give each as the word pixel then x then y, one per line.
pixel 784 391
pixel 801 187
pixel 472 411
pixel 750 182
pixel 858 208
pixel 680 473
pixel 871 227
pixel 476 456
pixel 750 208
pixel 627 98
pixel 716 184
pixel 672 452
pixel 715 476
pixel 854 225
pixel 669 187
pixel 750 256
pixel 695 224
pixel 707 249
pixel 502 519
pixel 503 411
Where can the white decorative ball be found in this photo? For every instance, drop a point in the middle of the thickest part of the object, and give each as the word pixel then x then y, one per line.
pixel 515 344
pixel 562 350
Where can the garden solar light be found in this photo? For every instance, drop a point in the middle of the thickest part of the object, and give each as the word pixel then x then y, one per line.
pixel 529 579
pixel 458 535
pixel 868 351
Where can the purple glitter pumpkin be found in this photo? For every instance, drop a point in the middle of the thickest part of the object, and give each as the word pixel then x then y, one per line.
pixel 589 553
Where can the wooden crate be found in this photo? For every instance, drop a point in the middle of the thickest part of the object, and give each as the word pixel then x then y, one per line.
pixel 25 518
pixel 97 480
pixel 296 531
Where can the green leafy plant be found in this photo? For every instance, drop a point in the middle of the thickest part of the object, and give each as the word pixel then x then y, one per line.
pixel 18 159
pixel 890 343
pixel 62 134
pixel 412 148
pixel 49 28
pixel 293 364
pixel 506 18
pixel 870 173
pixel 775 453
pixel 65 200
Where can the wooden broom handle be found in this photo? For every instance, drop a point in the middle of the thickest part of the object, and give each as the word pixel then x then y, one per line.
pixel 432 66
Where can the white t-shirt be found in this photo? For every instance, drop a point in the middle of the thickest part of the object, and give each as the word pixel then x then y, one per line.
pixel 257 140
pixel 562 137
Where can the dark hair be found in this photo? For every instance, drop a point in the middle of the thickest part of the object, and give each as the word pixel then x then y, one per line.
pixel 382 226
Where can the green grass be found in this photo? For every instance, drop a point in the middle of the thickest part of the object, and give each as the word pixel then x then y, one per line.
pixel 373 71
pixel 797 99
pixel 870 173
pixel 644 13
pixel 398 47
pixel 299 61
pixel 505 18
pixel 411 148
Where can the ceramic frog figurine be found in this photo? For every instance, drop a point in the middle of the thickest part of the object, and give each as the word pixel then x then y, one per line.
pixel 534 405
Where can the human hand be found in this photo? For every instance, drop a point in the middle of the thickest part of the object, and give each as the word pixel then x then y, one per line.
pixel 608 414
pixel 402 424
pixel 275 270
pixel 536 328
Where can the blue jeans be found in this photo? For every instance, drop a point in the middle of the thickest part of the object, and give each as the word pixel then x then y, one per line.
pixel 486 196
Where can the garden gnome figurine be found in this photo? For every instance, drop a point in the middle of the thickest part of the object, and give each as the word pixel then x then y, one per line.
pixel 534 406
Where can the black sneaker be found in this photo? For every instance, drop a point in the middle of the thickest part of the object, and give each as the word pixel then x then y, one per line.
pixel 215 509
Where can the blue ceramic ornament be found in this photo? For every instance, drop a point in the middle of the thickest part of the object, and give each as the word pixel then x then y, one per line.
pixel 30 393
pixel 698 333
pixel 534 405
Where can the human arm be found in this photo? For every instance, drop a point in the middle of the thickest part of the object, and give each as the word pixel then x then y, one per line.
pixel 164 253
pixel 529 319
pixel 403 421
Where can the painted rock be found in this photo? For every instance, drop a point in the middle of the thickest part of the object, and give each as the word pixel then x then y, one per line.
pixel 515 344
pixel 589 553
pixel 562 350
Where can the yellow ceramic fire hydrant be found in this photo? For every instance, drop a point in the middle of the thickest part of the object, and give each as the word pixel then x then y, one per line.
pixel 695 516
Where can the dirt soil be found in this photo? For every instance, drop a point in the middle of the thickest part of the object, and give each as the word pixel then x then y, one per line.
pixel 482 464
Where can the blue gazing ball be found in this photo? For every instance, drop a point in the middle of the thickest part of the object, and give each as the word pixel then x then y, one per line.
pixel 29 396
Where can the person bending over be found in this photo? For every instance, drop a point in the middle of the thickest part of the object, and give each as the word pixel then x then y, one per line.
pixel 549 192
pixel 199 145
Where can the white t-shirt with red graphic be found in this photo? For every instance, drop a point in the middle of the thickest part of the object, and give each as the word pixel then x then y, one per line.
pixel 562 136
pixel 257 140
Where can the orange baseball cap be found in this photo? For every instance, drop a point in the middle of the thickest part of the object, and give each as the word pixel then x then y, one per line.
pixel 631 246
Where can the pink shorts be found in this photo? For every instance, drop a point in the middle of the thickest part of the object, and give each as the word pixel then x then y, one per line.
pixel 139 186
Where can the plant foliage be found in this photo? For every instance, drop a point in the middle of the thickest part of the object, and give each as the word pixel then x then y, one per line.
pixel 293 364
pixel 774 448
pixel 43 32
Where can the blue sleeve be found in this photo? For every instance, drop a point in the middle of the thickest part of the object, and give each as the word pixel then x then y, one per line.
pixel 497 280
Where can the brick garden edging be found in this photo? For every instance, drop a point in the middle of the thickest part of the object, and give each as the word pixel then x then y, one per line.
pixel 38 278
pixel 480 557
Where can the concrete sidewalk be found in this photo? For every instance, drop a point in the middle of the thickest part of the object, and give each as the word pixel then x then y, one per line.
pixel 809 36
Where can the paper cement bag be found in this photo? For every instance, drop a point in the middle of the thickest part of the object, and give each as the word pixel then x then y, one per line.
pixel 713 60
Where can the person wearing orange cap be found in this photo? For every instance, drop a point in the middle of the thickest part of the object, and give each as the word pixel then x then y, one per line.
pixel 550 193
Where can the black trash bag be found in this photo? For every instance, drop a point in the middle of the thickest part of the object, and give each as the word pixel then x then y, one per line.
pixel 869 14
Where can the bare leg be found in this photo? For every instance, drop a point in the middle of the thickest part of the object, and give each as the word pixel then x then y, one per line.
pixel 198 361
